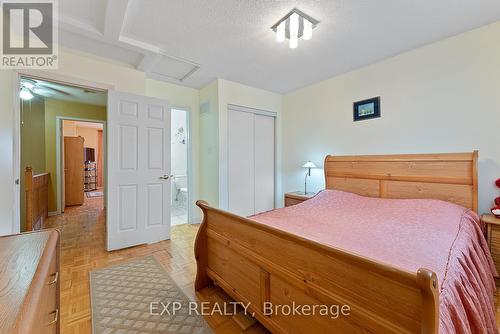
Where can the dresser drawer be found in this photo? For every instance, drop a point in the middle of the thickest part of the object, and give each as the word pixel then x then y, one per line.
pixel 51 293
pixel 46 318
pixel 29 264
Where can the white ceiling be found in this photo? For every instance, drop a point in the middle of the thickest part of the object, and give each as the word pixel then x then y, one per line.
pixel 192 42
pixel 69 93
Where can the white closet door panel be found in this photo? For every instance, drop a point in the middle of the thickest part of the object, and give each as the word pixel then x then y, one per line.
pixel 241 181
pixel 264 162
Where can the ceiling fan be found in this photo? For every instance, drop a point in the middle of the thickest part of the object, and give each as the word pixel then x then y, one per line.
pixel 30 86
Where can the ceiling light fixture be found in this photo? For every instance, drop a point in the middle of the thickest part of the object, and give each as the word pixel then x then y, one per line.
pixel 28 84
pixel 294 31
pixel 308 30
pixel 294 42
pixel 27 88
pixel 280 32
pixel 293 26
pixel 25 94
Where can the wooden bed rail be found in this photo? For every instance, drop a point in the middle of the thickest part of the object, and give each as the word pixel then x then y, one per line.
pixel 258 264
pixel 37 188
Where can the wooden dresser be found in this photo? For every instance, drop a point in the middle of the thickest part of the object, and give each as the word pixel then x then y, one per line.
pixel 29 283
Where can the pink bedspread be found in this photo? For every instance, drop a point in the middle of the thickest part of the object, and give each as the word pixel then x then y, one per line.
pixel 409 234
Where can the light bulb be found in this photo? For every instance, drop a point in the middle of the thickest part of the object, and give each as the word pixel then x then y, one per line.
pixel 25 94
pixel 294 42
pixel 308 30
pixel 294 25
pixel 280 32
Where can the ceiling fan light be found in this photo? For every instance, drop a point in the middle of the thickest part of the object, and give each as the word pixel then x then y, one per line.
pixel 28 84
pixel 280 32
pixel 25 94
pixel 308 30
pixel 294 42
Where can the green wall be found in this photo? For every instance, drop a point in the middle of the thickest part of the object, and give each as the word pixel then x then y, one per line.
pixel 32 145
pixel 53 109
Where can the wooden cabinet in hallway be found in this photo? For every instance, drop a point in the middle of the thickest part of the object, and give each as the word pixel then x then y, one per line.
pixel 73 171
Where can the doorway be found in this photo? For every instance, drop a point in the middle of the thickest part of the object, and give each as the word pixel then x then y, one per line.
pixel 179 166
pixel 44 108
pixel 136 164
pixel 81 157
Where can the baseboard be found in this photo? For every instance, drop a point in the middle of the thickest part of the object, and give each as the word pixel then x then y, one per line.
pixel 54 213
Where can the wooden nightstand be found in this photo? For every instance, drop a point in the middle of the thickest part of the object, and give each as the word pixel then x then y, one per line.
pixel 493 237
pixel 297 197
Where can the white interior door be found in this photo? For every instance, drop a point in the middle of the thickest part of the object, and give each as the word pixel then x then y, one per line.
pixel 138 201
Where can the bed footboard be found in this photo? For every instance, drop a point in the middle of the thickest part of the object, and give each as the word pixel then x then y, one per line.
pixel 268 269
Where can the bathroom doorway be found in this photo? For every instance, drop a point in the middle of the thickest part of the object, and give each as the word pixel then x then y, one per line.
pixel 179 166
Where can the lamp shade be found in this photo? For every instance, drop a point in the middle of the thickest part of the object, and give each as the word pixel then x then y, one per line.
pixel 309 164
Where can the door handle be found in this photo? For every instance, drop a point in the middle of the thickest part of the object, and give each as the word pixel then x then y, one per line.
pixel 165 177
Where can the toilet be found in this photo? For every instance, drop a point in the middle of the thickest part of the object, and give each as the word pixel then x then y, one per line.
pixel 179 191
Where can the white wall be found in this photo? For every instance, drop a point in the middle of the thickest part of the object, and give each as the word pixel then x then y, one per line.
pixel 178 142
pixel 443 97
pixel 7 200
pixel 209 143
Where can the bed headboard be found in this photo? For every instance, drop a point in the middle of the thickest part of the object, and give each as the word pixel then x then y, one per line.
pixel 450 177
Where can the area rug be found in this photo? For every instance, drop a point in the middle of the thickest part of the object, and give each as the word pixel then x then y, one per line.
pixel 127 298
pixel 94 194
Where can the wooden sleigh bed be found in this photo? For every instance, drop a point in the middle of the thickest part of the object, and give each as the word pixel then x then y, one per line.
pixel 255 263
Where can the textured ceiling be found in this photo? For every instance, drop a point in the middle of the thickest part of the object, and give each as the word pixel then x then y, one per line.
pixel 192 42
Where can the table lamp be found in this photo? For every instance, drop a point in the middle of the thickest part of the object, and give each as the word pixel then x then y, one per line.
pixel 307 165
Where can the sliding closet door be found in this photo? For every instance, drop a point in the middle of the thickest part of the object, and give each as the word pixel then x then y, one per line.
pixel 264 162
pixel 241 179
pixel 251 162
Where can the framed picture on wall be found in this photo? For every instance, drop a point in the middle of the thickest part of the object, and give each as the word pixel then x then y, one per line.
pixel 366 109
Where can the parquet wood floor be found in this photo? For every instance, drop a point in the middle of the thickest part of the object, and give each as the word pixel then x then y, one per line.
pixel 83 249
